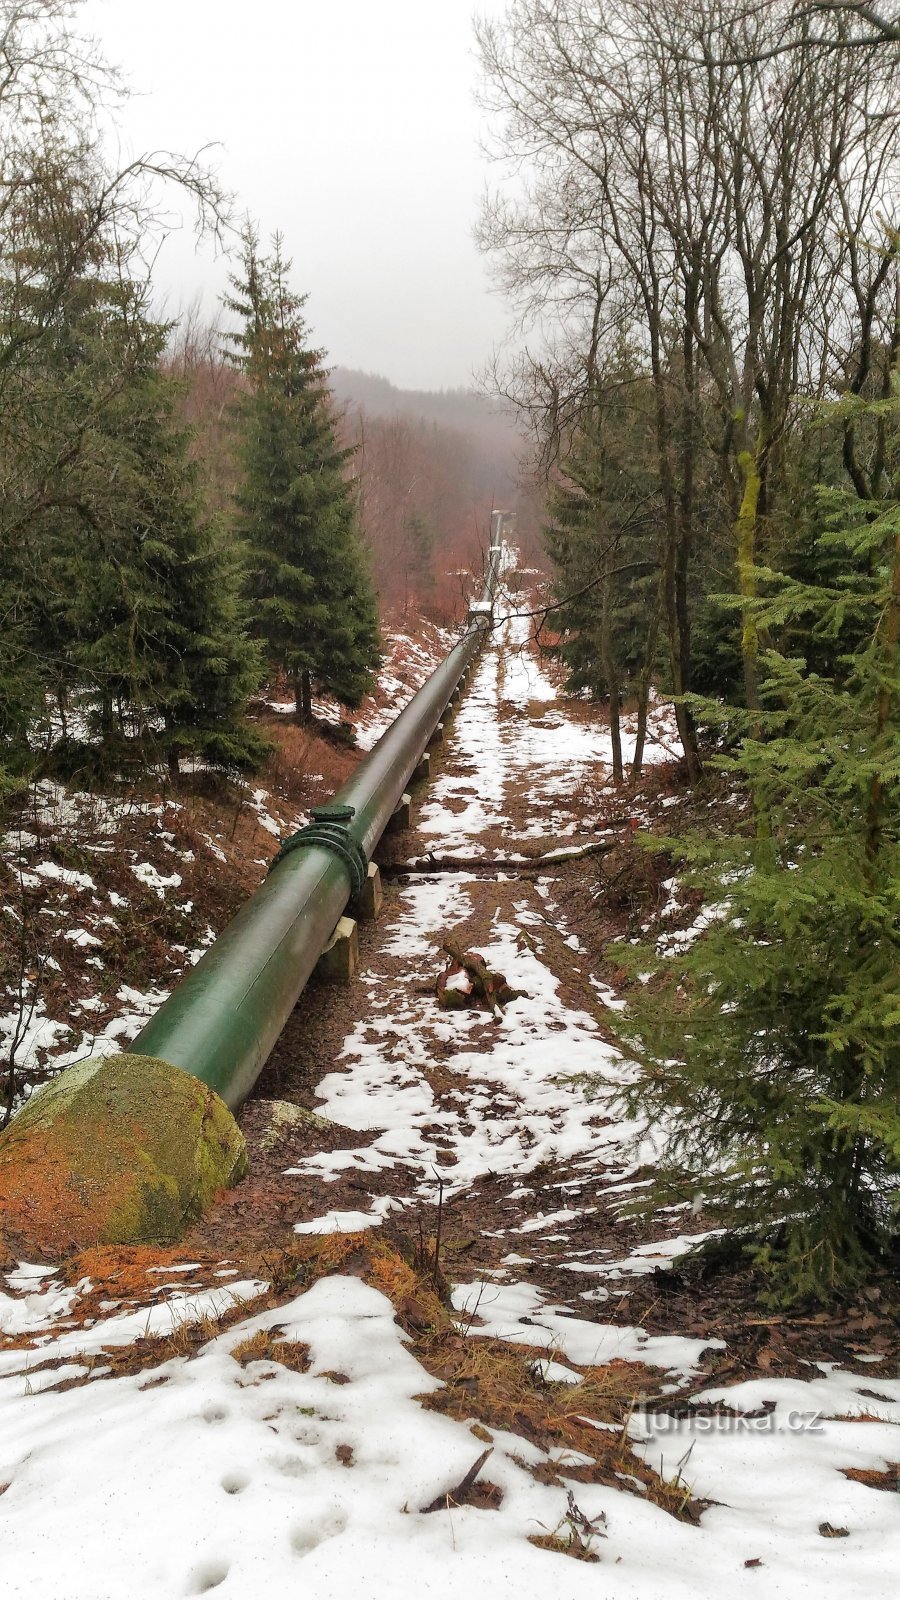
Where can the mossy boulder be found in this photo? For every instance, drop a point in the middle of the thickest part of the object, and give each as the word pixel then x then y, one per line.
pixel 121 1150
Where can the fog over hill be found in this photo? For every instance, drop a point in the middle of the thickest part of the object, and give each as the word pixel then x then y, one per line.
pixel 456 428
pixel 467 412
pixel 451 408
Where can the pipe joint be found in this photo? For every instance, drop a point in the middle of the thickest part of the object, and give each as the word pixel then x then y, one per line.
pixel 329 830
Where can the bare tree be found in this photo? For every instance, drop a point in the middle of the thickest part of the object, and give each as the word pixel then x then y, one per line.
pixel 590 230
pixel 721 193
pixel 834 25
pixel 58 98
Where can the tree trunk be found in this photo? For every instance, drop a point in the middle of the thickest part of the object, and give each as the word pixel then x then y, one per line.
pixel 303 695
pixel 674 588
pixel 640 739
pixel 172 763
pixel 615 730
pixel 107 721
pixel 612 683
pixel 676 628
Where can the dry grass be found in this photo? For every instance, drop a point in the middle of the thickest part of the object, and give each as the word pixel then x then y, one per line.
pixel 265 1345
pixel 501 1386
pixel 888 1479
pixel 306 764
pixel 119 1271
pixel 563 1546
pixel 185 1341
pixel 491 1385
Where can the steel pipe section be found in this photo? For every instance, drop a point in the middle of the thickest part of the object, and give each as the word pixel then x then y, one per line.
pixel 223 1019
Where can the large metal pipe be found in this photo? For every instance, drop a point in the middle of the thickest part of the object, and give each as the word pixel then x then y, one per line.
pixel 223 1019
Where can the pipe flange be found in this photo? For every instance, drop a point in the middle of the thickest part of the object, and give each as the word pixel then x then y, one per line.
pixel 330 831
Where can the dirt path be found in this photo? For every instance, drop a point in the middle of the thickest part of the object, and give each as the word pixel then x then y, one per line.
pixel 475 1110
pixel 287 1396
pixel 488 1116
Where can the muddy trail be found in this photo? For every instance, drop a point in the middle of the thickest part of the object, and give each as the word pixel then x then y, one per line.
pixel 499 1132
pixel 415 1107
pixel 429 1339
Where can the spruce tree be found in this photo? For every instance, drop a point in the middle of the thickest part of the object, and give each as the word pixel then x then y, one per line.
pixel 770 1046
pixel 45 262
pixel 308 585
pixel 156 616
pixel 603 546
pixel 418 544
pixel 130 593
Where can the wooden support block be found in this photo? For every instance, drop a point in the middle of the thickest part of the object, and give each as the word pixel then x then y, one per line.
pixel 340 958
pixel 438 736
pixel 422 770
pixel 369 901
pixel 400 817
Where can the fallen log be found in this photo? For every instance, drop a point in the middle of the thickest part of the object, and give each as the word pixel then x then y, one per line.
pixel 516 864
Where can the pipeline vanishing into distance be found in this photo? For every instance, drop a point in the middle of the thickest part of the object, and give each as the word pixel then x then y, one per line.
pixel 222 1020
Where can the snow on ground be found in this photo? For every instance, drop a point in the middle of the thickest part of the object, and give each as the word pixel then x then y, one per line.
pixel 72 1004
pixel 207 1474
pixel 40 1039
pixel 51 1035
pixel 775 1476
pixel 519 1313
pixel 659 1253
pixel 256 1479
pixel 544 756
pixel 408 661
pixel 515 1109
pixel 41 1312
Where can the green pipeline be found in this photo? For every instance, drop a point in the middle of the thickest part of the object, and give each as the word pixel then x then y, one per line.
pixel 223 1019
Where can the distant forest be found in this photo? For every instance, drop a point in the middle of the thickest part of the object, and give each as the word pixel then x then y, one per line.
pixel 430 467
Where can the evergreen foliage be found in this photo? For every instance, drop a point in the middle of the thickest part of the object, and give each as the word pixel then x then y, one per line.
pixel 770 1046
pixel 603 542
pixel 419 542
pixel 121 591
pixel 156 617
pixel 308 583
pixel 603 551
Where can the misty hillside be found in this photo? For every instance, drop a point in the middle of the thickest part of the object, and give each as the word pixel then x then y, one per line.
pixel 450 408
pixel 434 464
pixel 460 409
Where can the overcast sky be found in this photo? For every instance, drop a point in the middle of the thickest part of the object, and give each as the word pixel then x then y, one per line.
pixel 349 125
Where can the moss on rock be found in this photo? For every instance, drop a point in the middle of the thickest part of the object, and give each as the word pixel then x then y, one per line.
pixel 124 1150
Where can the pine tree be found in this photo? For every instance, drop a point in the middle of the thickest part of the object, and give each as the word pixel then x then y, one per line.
pixel 770 1047
pixel 156 616
pixel 47 259
pixel 602 545
pixel 310 593
pixel 138 603
pixel 418 540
